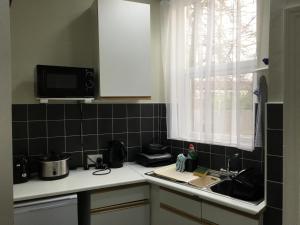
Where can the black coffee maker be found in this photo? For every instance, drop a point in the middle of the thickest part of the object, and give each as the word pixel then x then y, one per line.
pixel 20 169
pixel 116 154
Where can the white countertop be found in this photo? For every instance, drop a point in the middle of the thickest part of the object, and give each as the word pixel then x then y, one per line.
pixel 83 180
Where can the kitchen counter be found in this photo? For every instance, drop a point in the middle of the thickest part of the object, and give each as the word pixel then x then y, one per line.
pixel 83 180
pixel 77 181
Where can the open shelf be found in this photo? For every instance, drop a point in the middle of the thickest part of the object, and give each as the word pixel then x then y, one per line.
pixel 84 100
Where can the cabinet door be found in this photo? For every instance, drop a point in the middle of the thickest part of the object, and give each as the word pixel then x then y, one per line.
pixel 174 216
pixel 122 215
pixel 124 48
pixel 119 195
pixel 178 209
pixel 215 215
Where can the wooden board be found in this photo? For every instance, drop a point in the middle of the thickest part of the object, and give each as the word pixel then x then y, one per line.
pixel 204 181
pixel 171 173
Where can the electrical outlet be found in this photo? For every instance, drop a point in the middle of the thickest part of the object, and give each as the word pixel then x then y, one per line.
pixel 91 159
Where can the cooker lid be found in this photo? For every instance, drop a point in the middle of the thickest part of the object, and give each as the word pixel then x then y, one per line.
pixel 54 157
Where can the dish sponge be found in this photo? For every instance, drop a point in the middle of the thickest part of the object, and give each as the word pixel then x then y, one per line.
pixel 201 171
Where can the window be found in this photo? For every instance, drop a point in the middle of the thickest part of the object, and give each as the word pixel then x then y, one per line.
pixel 209 58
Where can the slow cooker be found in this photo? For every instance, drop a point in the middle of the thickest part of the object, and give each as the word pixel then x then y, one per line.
pixel 54 166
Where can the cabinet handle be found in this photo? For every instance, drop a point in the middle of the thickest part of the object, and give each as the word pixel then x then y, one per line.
pixel 180 213
pixel 207 222
pixel 122 206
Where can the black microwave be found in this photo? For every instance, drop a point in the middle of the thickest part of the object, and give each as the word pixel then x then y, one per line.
pixel 65 82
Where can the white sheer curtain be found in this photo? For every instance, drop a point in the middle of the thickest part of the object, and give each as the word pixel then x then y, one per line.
pixel 209 51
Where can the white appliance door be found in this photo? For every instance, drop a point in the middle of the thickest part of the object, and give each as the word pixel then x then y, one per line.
pixel 54 211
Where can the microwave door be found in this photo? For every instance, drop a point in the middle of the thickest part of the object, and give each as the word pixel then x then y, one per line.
pixel 62 85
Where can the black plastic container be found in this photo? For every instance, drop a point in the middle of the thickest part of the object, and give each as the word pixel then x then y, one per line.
pixel 190 165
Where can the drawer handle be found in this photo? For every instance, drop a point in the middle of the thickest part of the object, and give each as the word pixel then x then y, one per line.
pixel 207 222
pixel 122 206
pixel 180 213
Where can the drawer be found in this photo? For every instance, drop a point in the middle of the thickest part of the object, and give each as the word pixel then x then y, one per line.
pixel 180 201
pixel 137 213
pixel 220 215
pixel 171 216
pixel 119 195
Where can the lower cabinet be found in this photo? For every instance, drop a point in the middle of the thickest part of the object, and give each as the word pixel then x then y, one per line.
pixel 176 208
pixel 132 204
pixel 170 215
pixel 125 214
pixel 223 216
pixel 124 205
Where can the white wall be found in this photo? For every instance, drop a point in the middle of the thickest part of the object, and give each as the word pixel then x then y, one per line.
pixel 276 72
pixel 57 32
pixel 6 210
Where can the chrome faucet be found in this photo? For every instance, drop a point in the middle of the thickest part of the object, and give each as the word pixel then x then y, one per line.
pixel 227 171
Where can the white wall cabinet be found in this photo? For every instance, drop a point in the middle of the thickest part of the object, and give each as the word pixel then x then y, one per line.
pixel 125 205
pixel 124 48
pixel 171 207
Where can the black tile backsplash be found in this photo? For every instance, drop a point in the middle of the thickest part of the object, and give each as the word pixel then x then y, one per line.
pixel 134 124
pixel 37 129
pixel 56 112
pixel 147 124
pixel 89 111
pixel 203 147
pixel 36 112
pixel 56 128
pixel 256 155
pixel 216 149
pixel 73 127
pixel 73 111
pixel 275 142
pixel 217 161
pixel 19 130
pixel 73 144
pixel 147 110
pixel 104 140
pixel 275 190
pixel 119 126
pixel 56 145
pixel 19 113
pixel 218 155
pixel 275 116
pixel 89 127
pixel 20 146
pixel 134 110
pixel 273 214
pixel 147 137
pixel 90 142
pixel 134 139
pixel 119 111
pixel 105 126
pixel 40 129
pixel 105 111
pixel 204 159
pixel 274 164
pixel 38 146
pixel 132 153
